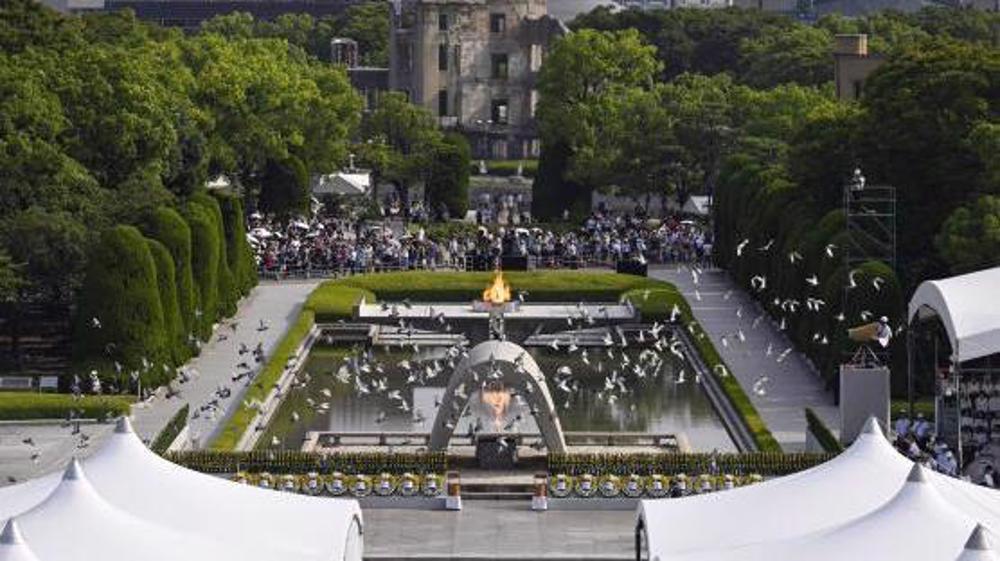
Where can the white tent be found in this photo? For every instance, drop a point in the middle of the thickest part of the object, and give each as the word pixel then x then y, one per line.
pixel 12 546
pixel 698 205
pixel 823 512
pixel 969 309
pixel 342 183
pixel 134 489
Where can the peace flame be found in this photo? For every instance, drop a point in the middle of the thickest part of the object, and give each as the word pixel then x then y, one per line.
pixel 499 291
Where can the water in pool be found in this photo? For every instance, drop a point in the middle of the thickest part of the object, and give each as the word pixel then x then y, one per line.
pixel 353 390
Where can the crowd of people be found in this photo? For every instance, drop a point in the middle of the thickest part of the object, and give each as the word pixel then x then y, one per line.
pixel 915 439
pixel 326 246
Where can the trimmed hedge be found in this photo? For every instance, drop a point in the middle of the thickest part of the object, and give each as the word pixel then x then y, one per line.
pixel 169 433
pixel 822 433
pixel 240 421
pixel 227 288
pixel 543 286
pixel 172 323
pixel 332 302
pixel 205 257
pixel 238 251
pixel 657 305
pixel 121 292
pixel 763 463
pixel 16 406
pixel 295 462
pixel 169 228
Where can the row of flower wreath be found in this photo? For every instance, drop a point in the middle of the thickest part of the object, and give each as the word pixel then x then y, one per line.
pixel 561 485
pixel 357 485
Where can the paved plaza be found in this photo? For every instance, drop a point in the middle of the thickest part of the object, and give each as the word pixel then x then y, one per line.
pixel 503 530
pixel 793 384
pixel 49 447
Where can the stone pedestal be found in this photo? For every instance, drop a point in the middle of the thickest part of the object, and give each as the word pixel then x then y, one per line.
pixel 864 392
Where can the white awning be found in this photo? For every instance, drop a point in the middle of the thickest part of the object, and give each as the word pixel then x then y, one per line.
pixel 968 307
pixel 131 500
pixel 342 183
pixel 867 503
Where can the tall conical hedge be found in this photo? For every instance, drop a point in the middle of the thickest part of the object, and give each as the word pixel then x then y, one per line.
pixel 120 316
pixel 172 324
pixel 238 252
pixel 227 287
pixel 205 244
pixel 168 227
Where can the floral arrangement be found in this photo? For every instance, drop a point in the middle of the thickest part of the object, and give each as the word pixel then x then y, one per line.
pixel 338 484
pixel 635 486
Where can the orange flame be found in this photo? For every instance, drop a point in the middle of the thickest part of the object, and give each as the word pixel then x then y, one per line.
pixel 499 291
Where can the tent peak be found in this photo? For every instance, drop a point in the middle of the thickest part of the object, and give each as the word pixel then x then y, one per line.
pixel 73 471
pixel 917 474
pixel 977 540
pixel 123 426
pixel 872 427
pixel 11 534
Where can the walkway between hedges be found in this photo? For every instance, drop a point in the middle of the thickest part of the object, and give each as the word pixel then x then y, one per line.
pixel 278 304
pixel 793 385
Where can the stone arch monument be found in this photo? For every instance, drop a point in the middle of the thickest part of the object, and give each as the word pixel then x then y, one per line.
pixel 517 369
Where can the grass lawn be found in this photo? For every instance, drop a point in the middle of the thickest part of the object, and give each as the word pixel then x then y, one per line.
pixel 334 300
pixel 262 384
pixel 24 406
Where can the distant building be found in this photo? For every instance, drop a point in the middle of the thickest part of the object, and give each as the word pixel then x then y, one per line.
pixel 474 64
pixel 852 65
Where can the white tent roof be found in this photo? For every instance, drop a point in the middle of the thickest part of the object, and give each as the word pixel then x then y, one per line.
pixel 969 309
pixel 12 546
pixel 978 547
pixel 131 485
pixel 343 183
pixel 698 204
pixel 822 513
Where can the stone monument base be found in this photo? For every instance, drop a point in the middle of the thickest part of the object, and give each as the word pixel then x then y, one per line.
pixel 496 452
pixel 864 392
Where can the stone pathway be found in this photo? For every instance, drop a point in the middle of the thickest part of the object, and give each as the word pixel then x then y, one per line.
pixel 793 384
pixel 503 530
pixel 278 304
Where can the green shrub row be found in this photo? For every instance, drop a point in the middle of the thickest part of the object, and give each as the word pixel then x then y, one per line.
pixel 764 463
pixel 147 296
pixel 759 204
pixel 507 168
pixel 818 428
pixel 658 305
pixel 239 422
pixel 295 462
pixel 547 286
pixel 169 433
pixel 21 406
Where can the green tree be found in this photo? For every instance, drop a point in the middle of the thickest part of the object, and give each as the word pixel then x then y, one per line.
pixel 799 55
pixel 238 252
pixel 448 183
pixel 234 25
pixel 284 188
pixel 120 316
pixel 53 247
pixel 582 87
pixel 368 24
pixel 970 237
pixel 920 110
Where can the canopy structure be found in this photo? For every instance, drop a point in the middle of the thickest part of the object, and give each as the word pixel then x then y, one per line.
pixel 125 499
pixel 969 309
pixel 868 503
pixel 342 183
